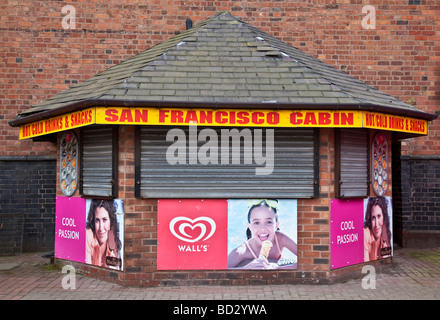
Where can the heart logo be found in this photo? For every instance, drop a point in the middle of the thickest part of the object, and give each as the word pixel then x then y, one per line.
pixel 179 224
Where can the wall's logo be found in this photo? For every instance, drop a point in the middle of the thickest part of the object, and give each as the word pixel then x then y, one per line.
pixel 189 230
pixel 192 234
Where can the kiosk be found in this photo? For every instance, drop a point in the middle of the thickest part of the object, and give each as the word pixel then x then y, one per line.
pixel 223 156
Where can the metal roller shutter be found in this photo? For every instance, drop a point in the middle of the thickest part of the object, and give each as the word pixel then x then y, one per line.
pixel 98 161
pixel 293 174
pixel 353 159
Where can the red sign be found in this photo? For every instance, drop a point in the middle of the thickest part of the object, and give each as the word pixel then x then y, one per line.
pixel 192 234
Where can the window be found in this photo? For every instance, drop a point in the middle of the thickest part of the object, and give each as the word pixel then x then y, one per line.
pixel 99 161
pixel 219 162
pixel 351 163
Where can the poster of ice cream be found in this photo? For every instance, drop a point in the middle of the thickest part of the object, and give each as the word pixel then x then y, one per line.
pixel 262 234
pixel 191 234
pixel 221 234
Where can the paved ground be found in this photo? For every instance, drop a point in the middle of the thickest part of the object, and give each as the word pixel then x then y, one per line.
pixel 415 274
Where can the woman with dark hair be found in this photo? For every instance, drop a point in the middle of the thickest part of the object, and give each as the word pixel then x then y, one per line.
pixel 102 235
pixel 262 234
pixel 377 233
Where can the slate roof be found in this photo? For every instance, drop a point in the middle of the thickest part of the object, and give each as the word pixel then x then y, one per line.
pixel 224 60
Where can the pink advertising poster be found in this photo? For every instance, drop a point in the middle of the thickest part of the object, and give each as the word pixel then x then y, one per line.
pixel 346 232
pixel 192 234
pixel 70 228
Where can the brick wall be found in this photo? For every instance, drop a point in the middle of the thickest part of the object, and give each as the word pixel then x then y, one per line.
pixel 27 205
pixel 420 212
pixel 40 58
pixel 416 201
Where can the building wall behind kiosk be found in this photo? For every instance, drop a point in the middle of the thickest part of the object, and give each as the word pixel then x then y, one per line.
pixel 27 198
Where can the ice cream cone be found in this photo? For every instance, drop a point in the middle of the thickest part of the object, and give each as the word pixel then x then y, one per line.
pixel 265 249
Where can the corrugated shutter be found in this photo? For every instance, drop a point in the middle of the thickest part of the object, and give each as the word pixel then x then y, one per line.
pixel 353 171
pixel 98 161
pixel 292 176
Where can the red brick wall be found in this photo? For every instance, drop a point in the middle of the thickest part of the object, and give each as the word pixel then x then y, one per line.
pixel 39 58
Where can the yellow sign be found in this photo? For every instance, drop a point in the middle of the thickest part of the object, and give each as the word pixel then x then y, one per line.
pixel 225 117
pixel 374 120
pixel 229 117
pixel 59 123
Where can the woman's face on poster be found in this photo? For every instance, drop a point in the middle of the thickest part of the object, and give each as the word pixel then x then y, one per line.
pixel 102 224
pixel 377 221
pixel 263 224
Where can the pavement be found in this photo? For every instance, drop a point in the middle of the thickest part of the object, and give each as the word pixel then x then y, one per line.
pixel 414 274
